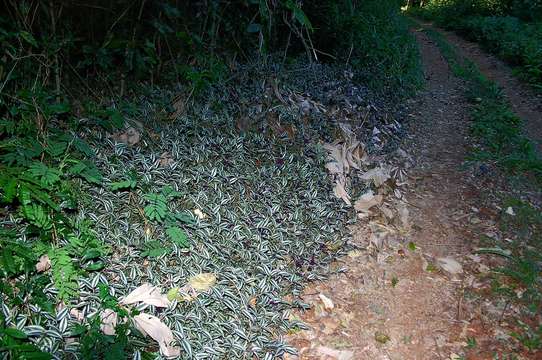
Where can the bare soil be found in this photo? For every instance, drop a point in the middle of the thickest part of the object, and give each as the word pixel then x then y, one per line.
pixel 399 304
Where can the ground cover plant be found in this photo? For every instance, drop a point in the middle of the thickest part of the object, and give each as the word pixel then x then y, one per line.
pixel 511 30
pixel 131 154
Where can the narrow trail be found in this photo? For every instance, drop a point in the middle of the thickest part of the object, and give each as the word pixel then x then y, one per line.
pixel 524 101
pixel 400 304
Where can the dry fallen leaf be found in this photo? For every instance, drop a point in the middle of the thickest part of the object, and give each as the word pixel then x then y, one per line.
pixel 199 214
pixel 340 192
pixel 202 282
pixel 109 321
pixel 160 332
pixel 166 159
pixel 130 136
pixel 377 175
pixel 336 354
pixel 77 314
pixel 43 264
pixel 367 201
pixel 147 294
pixel 328 304
pixel 450 265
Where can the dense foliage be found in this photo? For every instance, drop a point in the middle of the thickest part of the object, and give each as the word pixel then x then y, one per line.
pixel 510 29
pixel 69 69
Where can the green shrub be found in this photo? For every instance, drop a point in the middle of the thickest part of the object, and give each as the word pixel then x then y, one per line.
pixel 373 36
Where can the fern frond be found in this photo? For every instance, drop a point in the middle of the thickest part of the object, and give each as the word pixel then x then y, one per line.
pixel 63 273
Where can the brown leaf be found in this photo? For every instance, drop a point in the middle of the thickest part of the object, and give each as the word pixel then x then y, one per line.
pixel 202 282
pixel 367 201
pixel 340 191
pixel 377 175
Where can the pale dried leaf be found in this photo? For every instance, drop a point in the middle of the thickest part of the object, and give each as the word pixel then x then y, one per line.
pixel 108 321
pixel 377 175
pixel 334 168
pixel 202 282
pixel 328 304
pixel 160 332
pixel 510 211
pixel 340 192
pixel 199 214
pixel 77 314
pixel 43 264
pixel 450 265
pixel 147 294
pixel 336 354
pixel 367 201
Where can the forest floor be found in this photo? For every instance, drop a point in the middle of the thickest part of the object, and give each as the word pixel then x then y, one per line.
pixel 427 294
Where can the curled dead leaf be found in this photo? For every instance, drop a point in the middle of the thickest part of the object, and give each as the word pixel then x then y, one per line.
pixel 109 320
pixel 367 201
pixel 377 175
pixel 340 191
pixel 147 294
pixel 450 265
pixel 199 214
pixel 43 264
pixel 328 304
pixel 202 282
pixel 152 326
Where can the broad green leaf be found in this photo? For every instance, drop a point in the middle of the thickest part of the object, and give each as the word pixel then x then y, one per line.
pixel 126 184
pixel 29 38
pixel 15 333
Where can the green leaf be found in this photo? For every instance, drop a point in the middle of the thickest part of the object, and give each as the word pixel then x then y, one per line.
pixel 157 208
pixel 154 249
pixel 83 147
pixel 46 174
pixel 178 236
pixel 169 192
pixel 29 38
pixel 126 184
pixel 56 148
pixel 88 171
pixel 36 215
pixel 15 333
pixel 96 266
pixel 60 108
pixel 91 254
pixel 186 218
pixel 10 190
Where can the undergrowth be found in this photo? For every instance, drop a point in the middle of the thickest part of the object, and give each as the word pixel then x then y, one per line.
pixel 374 38
pixel 512 32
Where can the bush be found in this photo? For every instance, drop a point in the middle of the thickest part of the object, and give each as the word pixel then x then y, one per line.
pixel 373 36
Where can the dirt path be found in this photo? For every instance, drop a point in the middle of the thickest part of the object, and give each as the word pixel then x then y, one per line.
pixel 524 101
pixel 400 305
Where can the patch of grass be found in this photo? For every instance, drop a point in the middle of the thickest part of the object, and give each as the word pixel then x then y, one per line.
pixel 497 128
